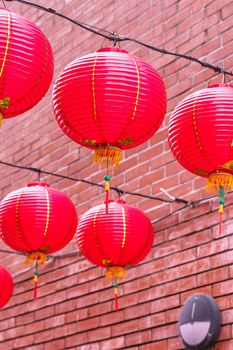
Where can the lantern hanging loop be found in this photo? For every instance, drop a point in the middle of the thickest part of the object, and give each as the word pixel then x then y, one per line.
pixel 116 38
pixel 225 78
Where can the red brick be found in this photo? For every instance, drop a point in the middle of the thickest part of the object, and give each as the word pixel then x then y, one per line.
pixel 56 344
pixel 138 338
pixel 213 276
pixel 226 345
pixel 164 303
pixel 99 334
pixel 174 343
pixel 222 288
pixel 225 332
pixel 164 332
pixel 211 248
pixel 112 344
pixel 215 6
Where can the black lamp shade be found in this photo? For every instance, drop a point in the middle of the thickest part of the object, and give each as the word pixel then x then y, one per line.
pixel 199 322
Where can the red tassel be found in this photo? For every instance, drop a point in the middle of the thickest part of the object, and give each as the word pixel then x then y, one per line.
pixel 35 280
pixel 106 201
pixel 35 290
pixel 220 223
pixel 116 294
pixel 220 218
pixel 116 302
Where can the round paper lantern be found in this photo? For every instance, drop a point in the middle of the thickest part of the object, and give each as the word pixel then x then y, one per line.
pixel 201 136
pixel 26 64
pixel 116 240
pixel 6 286
pixel 37 220
pixel 109 101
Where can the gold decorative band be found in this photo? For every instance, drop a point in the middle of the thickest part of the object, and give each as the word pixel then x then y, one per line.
pixel 36 256
pixel 115 271
pixel 112 154
pixel 219 180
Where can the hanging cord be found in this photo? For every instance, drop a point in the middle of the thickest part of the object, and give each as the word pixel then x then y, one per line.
pixel 226 79
pixel 111 36
pixel 221 207
pixel 116 290
pixel 107 186
pixel 36 273
pixel 37 258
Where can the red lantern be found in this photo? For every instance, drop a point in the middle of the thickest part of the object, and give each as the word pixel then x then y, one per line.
pixel 116 240
pixel 201 136
pixel 37 220
pixel 26 64
pixel 6 286
pixel 109 101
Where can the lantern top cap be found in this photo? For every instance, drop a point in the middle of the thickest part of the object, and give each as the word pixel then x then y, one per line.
pixel 43 184
pixel 221 85
pixel 112 49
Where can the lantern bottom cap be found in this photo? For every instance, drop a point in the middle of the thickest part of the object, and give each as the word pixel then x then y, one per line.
pixel 219 180
pixel 110 154
pixel 35 256
pixel 115 271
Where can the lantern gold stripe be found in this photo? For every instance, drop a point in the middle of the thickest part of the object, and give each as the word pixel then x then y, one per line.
pixel 124 228
pixel 138 89
pixel 195 123
pixel 47 214
pixel 93 88
pixel 7 43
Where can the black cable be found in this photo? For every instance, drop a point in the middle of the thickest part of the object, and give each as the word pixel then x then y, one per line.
pixel 166 52
pixel 118 38
pixel 119 191
pixel 10 252
pixel 90 28
pixel 172 213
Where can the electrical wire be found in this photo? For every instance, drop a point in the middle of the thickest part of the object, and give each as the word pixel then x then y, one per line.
pixel 88 27
pixel 172 213
pixel 114 37
pixel 118 190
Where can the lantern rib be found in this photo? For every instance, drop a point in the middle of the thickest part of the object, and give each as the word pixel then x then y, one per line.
pixel 114 37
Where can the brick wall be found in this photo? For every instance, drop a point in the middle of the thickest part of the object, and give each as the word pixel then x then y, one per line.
pixel 74 309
